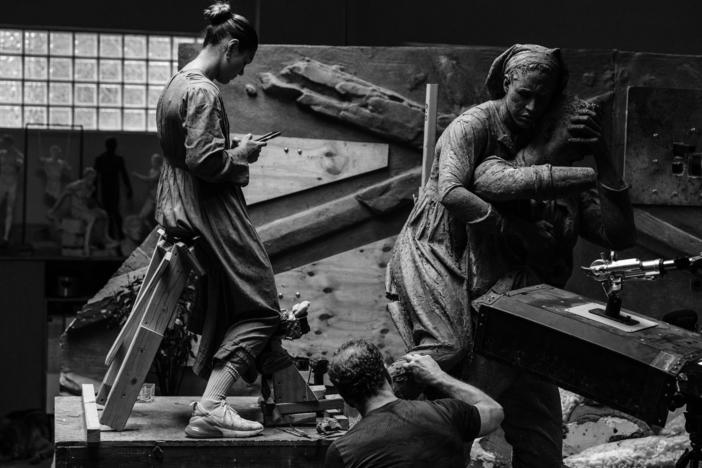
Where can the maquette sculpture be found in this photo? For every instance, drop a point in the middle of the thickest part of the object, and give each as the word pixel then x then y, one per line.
pixel 110 169
pixel 56 170
pixel 502 209
pixel 77 202
pixel 146 214
pixel 11 161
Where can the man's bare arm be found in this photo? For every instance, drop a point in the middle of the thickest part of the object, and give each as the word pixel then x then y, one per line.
pixel 426 370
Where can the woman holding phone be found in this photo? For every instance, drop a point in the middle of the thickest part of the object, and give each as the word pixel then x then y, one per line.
pixel 199 194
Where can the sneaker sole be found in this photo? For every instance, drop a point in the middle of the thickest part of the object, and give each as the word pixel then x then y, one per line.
pixel 203 430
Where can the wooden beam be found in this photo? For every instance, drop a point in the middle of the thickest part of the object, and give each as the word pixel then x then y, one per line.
pixel 662 237
pixel 300 228
pixel 90 415
pixel 429 130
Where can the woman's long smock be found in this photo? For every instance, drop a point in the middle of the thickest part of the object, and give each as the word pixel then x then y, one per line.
pixel 199 193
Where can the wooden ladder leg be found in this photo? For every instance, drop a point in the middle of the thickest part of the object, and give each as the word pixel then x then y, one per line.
pixel 128 331
pixel 153 273
pixel 144 346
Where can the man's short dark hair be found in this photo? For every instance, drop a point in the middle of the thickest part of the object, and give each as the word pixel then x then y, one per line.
pixel 357 370
pixel 111 143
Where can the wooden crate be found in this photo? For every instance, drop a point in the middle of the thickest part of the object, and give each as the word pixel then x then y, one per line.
pixel 154 437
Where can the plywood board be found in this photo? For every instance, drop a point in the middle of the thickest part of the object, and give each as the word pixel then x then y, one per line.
pixel 288 165
pixel 347 292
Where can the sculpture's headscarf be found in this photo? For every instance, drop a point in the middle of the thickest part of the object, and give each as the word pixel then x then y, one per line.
pixel 524 54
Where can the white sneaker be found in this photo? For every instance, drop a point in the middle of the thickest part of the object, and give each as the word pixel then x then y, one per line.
pixel 223 421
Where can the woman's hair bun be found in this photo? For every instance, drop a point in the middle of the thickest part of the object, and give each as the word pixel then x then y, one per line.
pixel 218 13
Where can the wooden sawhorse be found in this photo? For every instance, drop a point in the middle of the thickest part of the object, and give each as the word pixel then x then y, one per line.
pixel 154 309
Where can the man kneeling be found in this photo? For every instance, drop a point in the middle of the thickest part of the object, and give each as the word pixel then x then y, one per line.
pixel 405 433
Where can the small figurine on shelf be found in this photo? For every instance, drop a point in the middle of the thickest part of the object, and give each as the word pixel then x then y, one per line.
pixel 81 220
pixel 11 161
pixel 147 210
pixel 57 171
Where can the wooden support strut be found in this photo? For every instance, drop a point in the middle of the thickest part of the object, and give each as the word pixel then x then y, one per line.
pixel 142 334
pixel 429 130
pixel 90 415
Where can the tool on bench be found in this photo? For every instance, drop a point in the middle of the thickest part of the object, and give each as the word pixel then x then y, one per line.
pixel 286 392
pixel 611 273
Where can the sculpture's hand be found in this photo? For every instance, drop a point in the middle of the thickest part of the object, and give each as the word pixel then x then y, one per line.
pixel 536 237
pixel 584 127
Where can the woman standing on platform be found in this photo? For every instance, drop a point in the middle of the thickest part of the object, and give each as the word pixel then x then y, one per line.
pixel 199 193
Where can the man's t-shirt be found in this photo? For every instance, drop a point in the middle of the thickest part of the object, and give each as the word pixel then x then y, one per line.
pixel 408 433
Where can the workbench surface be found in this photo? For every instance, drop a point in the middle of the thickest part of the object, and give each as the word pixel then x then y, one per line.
pixel 154 437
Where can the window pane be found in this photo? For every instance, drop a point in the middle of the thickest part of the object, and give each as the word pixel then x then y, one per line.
pixel 35 92
pixel 151 120
pixel 61 43
pixel 10 41
pixel 174 68
pixel 85 117
pixel 110 119
pixel 135 119
pixel 86 45
pixel 60 116
pixel 110 45
pixel 134 96
pixel 154 93
pixel 10 116
pixel 159 47
pixel 134 46
pixel 110 95
pixel 10 66
pixel 10 92
pixel 86 94
pixel 60 69
pixel 36 115
pixel 35 68
pixel 36 43
pixel 60 93
pixel 159 72
pixel 111 71
pixel 177 41
pixel 86 70
pixel 134 71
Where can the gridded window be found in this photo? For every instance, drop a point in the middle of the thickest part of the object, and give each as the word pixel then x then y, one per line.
pixel 102 81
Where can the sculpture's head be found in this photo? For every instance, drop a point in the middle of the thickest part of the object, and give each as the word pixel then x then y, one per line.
pixel 89 175
pixel 527 77
pixel 55 151
pixel 233 39
pixel 6 142
pixel 156 160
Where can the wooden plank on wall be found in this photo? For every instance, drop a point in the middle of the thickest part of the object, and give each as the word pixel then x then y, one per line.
pixel 288 165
